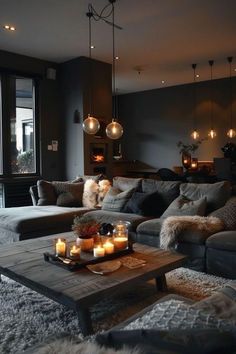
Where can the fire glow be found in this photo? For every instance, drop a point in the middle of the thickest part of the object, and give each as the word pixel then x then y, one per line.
pixel 98 158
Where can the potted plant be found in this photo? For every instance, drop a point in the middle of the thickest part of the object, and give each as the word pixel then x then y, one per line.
pixel 86 230
pixel 187 149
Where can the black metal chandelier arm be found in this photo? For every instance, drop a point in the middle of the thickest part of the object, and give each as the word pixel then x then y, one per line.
pixel 100 16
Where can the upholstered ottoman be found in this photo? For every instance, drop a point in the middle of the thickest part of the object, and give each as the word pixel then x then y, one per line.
pixel 221 254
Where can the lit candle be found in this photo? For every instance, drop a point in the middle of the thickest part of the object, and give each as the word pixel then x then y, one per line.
pixel 121 242
pixel 60 248
pixel 109 247
pixel 98 251
pixel 75 252
pixel 185 161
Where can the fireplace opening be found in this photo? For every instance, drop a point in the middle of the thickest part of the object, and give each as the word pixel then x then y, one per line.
pixel 98 153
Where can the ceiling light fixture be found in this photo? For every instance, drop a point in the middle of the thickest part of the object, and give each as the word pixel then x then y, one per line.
pixel 90 125
pixel 194 134
pixel 212 132
pixel 231 133
pixel 114 130
pixel 9 28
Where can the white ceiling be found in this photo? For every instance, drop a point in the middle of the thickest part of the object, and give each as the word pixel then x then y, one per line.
pixel 161 38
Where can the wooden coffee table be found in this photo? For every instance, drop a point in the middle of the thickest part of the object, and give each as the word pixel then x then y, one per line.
pixel 24 262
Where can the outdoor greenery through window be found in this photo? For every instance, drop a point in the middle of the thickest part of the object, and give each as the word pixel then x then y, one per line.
pixel 22 127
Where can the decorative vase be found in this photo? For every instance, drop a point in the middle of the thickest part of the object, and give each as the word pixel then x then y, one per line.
pixel 186 160
pixel 85 244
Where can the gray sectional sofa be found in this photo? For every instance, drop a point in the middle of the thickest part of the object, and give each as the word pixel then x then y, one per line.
pixel 143 202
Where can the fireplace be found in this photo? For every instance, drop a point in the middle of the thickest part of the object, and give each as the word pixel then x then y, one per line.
pixel 98 153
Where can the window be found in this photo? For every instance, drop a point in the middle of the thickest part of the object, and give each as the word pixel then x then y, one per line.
pixel 22 128
pixel 1 155
pixel 20 134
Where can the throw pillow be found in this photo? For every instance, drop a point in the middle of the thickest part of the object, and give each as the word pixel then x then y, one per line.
pixel 115 199
pixel 146 204
pixel 90 193
pixel 184 206
pixel 125 183
pixel 84 178
pixel 217 193
pixel 69 194
pixel 46 192
pixel 168 190
pixel 227 214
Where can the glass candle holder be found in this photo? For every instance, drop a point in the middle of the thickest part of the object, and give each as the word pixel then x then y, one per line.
pixel 108 246
pixel 120 234
pixel 194 163
pixel 99 251
pixel 60 247
pixel 75 251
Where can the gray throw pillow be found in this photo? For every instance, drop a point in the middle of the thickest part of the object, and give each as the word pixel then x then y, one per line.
pixel 115 199
pixel 125 183
pixel 168 190
pixel 217 193
pixel 227 214
pixel 183 206
pixel 69 194
pixel 46 192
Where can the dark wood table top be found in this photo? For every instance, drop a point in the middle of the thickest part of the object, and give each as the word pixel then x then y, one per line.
pixel 24 262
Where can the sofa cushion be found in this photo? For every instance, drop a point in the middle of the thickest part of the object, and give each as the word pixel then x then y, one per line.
pixel 168 190
pixel 217 193
pixel 46 192
pixel 69 194
pixel 103 216
pixel 184 206
pixel 147 204
pixel 224 240
pixel 124 183
pixel 150 227
pixel 115 199
pixel 227 214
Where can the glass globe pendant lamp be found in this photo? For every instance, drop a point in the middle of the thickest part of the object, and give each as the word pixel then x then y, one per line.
pixel 212 132
pixel 91 125
pixel 194 134
pixel 114 130
pixel 231 133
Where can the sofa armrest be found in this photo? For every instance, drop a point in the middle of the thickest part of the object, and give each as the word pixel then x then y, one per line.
pixel 34 194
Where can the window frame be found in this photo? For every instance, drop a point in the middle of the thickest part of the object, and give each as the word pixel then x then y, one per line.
pixel 7 107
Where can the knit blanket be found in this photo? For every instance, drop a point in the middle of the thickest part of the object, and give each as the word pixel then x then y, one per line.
pixel 173 226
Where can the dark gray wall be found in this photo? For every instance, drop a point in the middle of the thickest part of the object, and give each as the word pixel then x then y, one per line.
pixel 76 79
pixel 154 121
pixel 50 110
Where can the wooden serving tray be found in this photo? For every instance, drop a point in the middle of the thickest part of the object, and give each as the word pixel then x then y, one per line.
pixel 86 258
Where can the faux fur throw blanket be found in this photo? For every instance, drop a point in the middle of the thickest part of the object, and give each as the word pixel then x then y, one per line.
pixel 174 225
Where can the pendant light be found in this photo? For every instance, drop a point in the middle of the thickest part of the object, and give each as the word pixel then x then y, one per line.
pixel 194 134
pixel 212 132
pixel 90 125
pixel 231 132
pixel 114 130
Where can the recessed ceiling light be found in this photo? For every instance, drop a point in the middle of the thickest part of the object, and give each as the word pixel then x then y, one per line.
pixel 92 46
pixel 197 75
pixel 162 81
pixel 9 28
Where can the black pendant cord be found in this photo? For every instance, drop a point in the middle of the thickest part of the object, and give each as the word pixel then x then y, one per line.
pixel 113 62
pixel 231 91
pixel 211 62
pixel 194 96
pixel 89 14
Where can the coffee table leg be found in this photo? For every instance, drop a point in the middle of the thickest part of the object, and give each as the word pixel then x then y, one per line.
pixel 161 283
pixel 85 321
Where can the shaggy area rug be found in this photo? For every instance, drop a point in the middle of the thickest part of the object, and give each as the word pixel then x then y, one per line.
pixel 27 318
